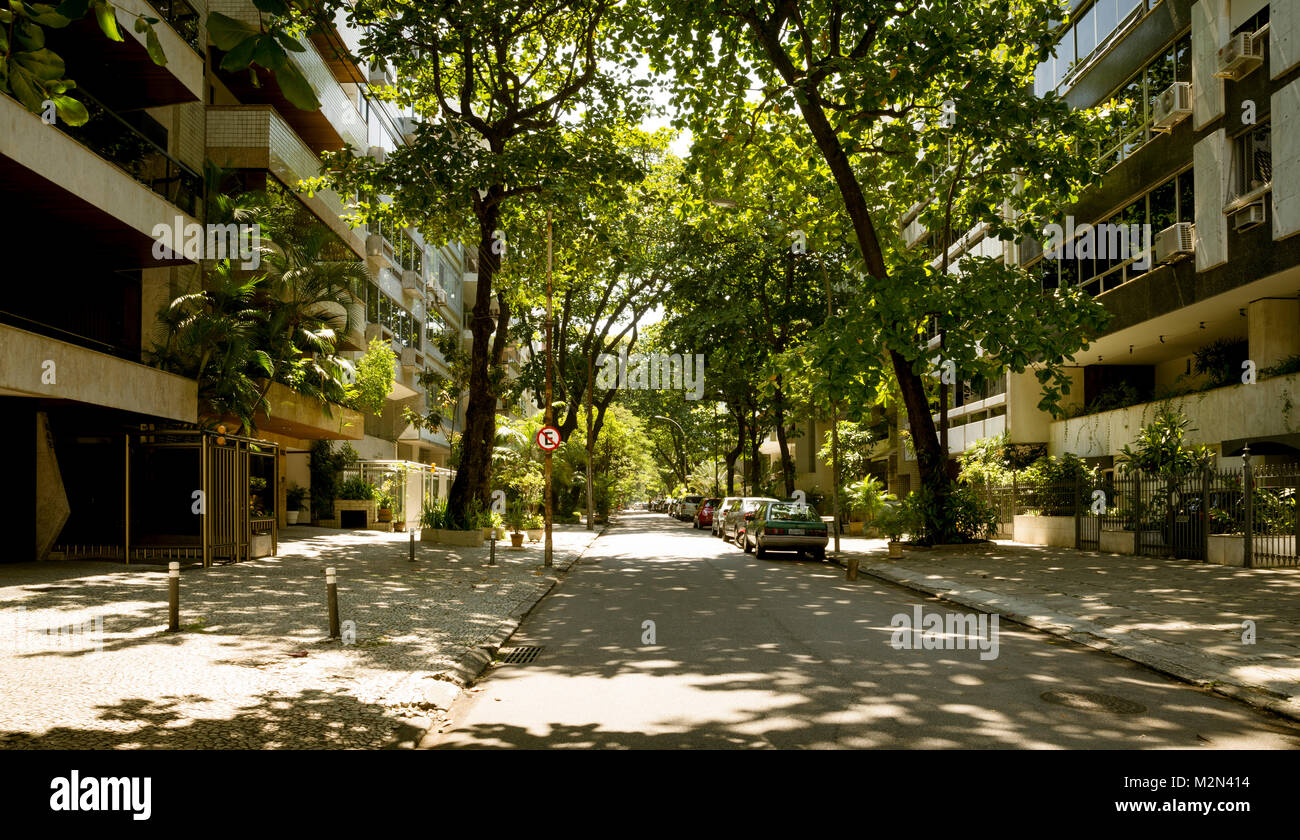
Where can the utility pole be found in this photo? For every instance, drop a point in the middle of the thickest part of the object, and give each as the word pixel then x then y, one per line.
pixel 835 436
pixel 591 479
pixel 549 408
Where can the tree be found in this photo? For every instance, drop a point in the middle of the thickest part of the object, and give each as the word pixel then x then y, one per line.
pixel 909 104
pixel 520 100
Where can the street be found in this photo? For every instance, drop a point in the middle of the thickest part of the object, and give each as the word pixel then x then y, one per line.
pixel 783 653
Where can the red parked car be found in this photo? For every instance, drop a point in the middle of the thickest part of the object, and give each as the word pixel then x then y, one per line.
pixel 704 513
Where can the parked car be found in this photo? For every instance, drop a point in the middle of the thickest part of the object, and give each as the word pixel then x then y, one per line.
pixel 704 513
pixel 738 515
pixel 786 526
pixel 719 510
pixel 687 507
pixel 671 507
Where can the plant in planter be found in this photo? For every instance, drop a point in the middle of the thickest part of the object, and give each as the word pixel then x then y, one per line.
pixel 384 503
pixel 293 499
pixel 356 489
pixel 432 520
pixel 495 525
pixel 868 498
pixel 891 523
pixel 534 525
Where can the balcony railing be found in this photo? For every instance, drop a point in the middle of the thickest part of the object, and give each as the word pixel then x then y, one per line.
pixel 184 19
pixel 117 141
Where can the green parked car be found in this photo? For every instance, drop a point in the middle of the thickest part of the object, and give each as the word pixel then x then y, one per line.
pixel 787 526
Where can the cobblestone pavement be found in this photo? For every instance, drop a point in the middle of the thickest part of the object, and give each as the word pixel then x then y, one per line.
pixel 1188 615
pixel 253 667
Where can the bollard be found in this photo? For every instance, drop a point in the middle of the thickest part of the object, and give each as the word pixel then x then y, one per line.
pixel 851 568
pixel 332 594
pixel 173 597
pixel 412 554
pixel 492 551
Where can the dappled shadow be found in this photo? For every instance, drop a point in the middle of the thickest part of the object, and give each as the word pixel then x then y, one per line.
pixel 783 652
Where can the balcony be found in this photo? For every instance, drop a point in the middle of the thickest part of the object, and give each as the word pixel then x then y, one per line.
pixel 85 376
pixel 257 137
pixel 1233 413
pixel 106 180
pixel 335 125
pixel 136 81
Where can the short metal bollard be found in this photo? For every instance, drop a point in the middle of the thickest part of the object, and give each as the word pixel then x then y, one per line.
pixel 492 550
pixel 332 595
pixel 173 597
pixel 411 557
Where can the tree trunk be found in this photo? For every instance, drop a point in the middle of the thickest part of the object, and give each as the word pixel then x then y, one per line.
pixel 787 468
pixel 733 454
pixel 473 474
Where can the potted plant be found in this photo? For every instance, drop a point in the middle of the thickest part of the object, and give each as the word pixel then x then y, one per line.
pixel 534 526
pixel 515 519
pixel 293 499
pixel 496 526
pixel 384 503
pixel 890 522
pixel 432 520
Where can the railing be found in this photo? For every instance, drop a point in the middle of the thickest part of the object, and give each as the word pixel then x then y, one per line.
pixel 117 141
pixel 182 17
pixel 1246 516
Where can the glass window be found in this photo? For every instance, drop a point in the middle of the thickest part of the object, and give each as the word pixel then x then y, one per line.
pixel 1164 206
pixel 1186 197
pixel 1183 59
pixel 1064 59
pixel 1160 74
pixel 1106 19
pixel 1085 33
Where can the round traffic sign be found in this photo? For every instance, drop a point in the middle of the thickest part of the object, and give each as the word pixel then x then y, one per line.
pixel 548 438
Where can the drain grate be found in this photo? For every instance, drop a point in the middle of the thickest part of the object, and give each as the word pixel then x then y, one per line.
pixel 1093 701
pixel 518 655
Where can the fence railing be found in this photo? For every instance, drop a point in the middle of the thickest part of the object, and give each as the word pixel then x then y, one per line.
pixel 1246 516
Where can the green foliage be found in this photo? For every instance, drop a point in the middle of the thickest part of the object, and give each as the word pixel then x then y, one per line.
pixel 965 516
pixel 1161 448
pixel 1291 364
pixel 374 379
pixel 1220 361
pixel 294 496
pixel 326 466
pixel 383 500
pixel 986 464
pixel 1051 484
pixel 434 516
pixel 868 497
pixel 356 489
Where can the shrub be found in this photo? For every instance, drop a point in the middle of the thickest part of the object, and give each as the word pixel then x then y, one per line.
pixel 356 489
pixel 1220 361
pixel 434 516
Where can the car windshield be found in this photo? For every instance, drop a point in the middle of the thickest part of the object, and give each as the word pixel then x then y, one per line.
pixel 793 513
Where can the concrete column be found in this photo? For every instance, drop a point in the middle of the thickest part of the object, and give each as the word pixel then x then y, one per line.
pixel 1283 38
pixel 1285 109
pixel 1272 328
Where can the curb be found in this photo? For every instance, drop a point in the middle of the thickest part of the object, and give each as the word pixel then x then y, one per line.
pixel 476 660
pixel 1151 653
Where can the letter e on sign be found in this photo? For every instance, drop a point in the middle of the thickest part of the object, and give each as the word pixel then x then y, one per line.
pixel 548 438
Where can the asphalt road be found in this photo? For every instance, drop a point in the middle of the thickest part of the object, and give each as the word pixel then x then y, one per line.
pixel 784 653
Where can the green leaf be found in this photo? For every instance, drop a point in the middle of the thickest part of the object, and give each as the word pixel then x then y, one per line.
pixel 43 64
pixel 26 87
pixel 227 32
pixel 295 87
pixel 268 53
pixel 239 57
pixel 47 16
pixel 289 42
pixel 154 46
pixel 29 35
pixel 272 7
pixel 107 17
pixel 73 9
pixel 70 110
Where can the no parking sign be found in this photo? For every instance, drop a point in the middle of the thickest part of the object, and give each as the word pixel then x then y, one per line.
pixel 548 438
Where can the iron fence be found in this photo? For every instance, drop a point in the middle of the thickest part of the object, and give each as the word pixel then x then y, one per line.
pixel 1246 516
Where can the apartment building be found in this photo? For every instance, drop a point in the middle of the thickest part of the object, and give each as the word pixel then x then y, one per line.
pixel 112 447
pixel 1207 81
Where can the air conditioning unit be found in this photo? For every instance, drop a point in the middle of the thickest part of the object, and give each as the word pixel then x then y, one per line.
pixel 1242 54
pixel 379 75
pixel 439 294
pixel 374 245
pixel 377 154
pixel 1174 241
pixel 1173 106
pixel 1252 215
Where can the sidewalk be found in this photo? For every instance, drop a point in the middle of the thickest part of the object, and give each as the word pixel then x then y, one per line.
pixel 1176 616
pixel 254 668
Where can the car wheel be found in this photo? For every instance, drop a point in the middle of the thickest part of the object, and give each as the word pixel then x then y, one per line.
pixel 759 551
pixel 749 547
pixel 819 554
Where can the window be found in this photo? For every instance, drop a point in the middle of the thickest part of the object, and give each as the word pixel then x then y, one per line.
pixel 1110 263
pixel 1254 153
pixel 1131 131
pixel 1090 31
